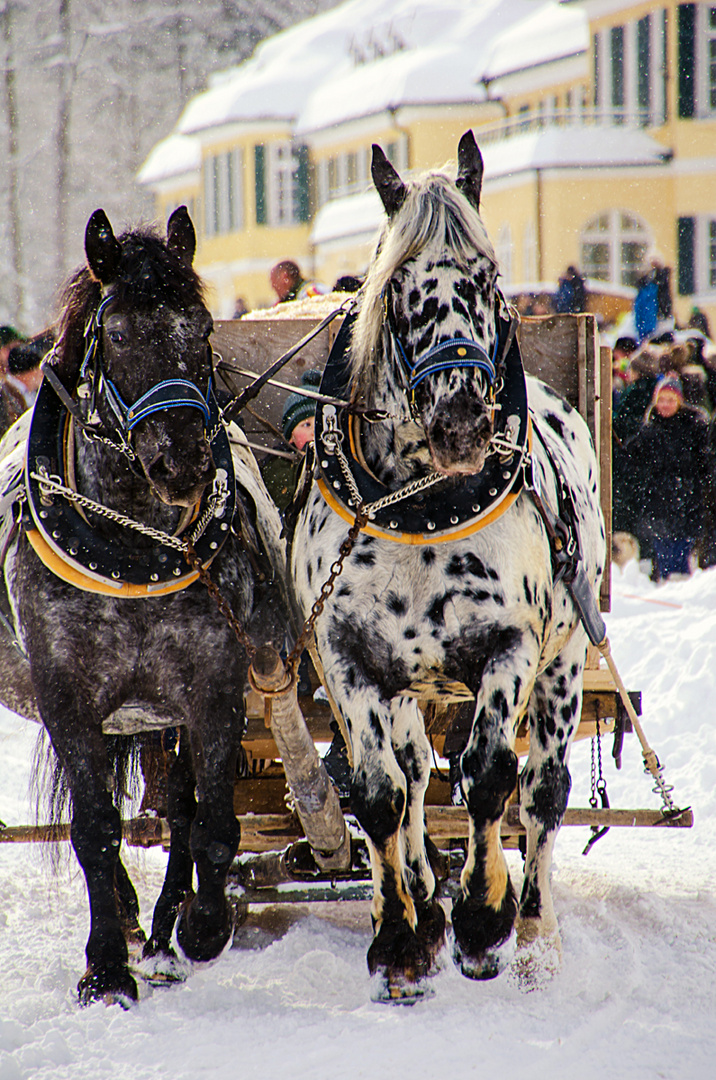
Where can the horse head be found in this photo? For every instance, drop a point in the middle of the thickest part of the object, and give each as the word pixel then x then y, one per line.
pixel 432 286
pixel 142 367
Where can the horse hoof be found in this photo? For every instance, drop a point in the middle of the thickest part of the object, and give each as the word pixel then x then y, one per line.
pixel 198 936
pixel 111 988
pixel 539 958
pixel 162 969
pixel 399 962
pixel 489 964
pixel 388 988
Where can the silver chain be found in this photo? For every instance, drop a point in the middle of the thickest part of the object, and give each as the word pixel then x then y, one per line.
pixel 333 443
pixel 52 485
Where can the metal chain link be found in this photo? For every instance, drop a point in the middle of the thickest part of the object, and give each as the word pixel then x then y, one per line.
pixel 361 520
pixel 53 485
pixel 196 564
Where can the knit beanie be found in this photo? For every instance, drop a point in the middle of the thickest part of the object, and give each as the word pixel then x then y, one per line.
pixel 298 407
pixel 22 358
pixel 670 381
pixel 8 334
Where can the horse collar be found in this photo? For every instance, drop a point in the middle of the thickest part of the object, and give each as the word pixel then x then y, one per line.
pixel 454 507
pixel 69 546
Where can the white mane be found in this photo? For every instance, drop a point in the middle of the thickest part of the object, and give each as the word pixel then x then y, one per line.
pixel 434 211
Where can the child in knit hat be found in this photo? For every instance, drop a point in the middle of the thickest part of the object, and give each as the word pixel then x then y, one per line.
pixel 297 425
pixel 299 413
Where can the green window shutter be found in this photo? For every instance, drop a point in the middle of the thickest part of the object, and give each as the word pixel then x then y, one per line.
pixel 643 48
pixel 260 177
pixel 302 202
pixel 686 243
pixel 597 73
pixel 686 31
pixel 617 48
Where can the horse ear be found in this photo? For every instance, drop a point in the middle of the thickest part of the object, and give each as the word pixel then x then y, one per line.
pixel 388 184
pixel 469 168
pixel 102 248
pixel 181 237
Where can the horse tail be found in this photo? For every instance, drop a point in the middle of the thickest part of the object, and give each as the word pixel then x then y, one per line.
pixel 50 788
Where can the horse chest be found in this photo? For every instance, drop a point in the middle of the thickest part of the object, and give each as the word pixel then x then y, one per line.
pixel 399 611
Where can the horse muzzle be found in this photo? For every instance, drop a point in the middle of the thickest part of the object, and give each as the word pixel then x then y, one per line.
pixel 459 435
pixel 177 471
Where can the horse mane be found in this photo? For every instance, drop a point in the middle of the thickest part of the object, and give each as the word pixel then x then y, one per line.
pixel 434 212
pixel 149 273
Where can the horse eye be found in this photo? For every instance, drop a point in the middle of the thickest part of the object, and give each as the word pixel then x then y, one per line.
pixel 115 336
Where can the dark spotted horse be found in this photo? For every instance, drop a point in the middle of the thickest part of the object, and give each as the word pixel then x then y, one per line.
pixel 483 545
pixel 108 629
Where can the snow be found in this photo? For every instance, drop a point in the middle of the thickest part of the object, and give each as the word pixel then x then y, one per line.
pixel 574 146
pixel 366 56
pixel 553 31
pixel 171 157
pixel 635 997
pixel 354 216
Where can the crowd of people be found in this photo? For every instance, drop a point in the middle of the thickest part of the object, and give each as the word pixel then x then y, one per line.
pixel 663 418
pixel 20 372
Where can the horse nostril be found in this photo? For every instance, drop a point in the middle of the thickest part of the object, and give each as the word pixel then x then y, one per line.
pixel 164 467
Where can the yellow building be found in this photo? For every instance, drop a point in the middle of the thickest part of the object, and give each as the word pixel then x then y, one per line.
pixel 597 120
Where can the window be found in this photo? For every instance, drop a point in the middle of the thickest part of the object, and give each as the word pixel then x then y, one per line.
pixel 223 192
pixel 282 184
pixel 614 246
pixel 712 254
pixel 643 49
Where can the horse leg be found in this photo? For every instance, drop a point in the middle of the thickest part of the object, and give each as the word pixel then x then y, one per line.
pixel 96 833
pixel 554 712
pixel 397 959
pixel 205 923
pixel 181 809
pixel 128 908
pixel 412 752
pixel 483 915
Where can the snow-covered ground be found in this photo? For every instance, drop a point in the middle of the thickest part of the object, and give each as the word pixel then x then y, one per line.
pixel 635 998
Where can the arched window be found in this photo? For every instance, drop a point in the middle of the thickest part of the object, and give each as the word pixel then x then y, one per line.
pixel 613 247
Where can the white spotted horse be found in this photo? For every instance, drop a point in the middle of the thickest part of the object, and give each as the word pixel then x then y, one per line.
pixel 483 543
pixel 124 460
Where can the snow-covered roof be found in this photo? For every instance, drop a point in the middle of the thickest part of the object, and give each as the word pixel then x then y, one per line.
pixel 551 32
pixel 354 215
pixel 571 147
pixel 366 56
pixel 173 156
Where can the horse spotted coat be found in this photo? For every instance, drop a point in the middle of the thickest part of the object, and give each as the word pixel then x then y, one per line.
pixel 483 610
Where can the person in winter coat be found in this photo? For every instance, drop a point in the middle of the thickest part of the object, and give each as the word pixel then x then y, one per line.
pixel 571 295
pixel 670 468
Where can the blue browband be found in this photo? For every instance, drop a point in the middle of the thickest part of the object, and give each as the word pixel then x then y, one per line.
pixel 169 394
pixel 455 353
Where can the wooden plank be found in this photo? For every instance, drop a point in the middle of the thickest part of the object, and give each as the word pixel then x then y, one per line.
pixel 255 345
pixel 451 822
pixel 549 351
pixel 605 469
